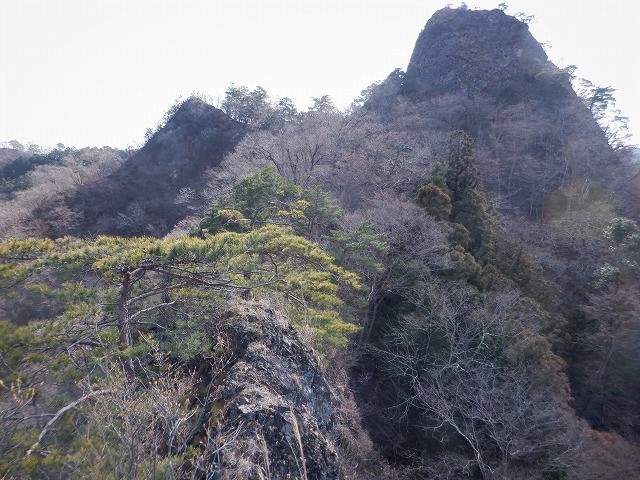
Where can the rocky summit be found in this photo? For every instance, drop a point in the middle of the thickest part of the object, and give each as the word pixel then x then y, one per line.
pixel 477 51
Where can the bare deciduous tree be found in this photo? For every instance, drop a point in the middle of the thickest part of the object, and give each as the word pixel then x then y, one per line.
pixel 416 247
pixel 468 366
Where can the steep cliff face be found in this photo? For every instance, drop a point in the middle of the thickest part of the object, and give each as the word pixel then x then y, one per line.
pixel 197 134
pixel 553 185
pixel 479 51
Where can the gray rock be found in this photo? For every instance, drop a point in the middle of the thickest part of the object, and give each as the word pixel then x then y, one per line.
pixel 272 408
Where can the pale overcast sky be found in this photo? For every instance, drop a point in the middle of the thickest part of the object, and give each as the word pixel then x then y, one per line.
pixel 99 72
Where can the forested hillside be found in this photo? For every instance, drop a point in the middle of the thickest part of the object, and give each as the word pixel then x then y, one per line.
pixel 439 283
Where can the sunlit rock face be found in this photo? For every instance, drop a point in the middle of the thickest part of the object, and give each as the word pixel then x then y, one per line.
pixel 272 410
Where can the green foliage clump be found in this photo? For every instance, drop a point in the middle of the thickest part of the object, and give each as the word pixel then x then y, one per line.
pixel 10 185
pixel 16 342
pixel 625 232
pixel 435 200
pixel 137 320
pixel 358 249
pixel 265 260
pixel 483 253
pixel 266 197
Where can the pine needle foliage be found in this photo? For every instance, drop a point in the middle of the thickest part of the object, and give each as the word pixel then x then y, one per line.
pixel 268 198
pixel 141 273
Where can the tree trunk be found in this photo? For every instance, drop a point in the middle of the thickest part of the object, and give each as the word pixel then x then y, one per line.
pixel 124 325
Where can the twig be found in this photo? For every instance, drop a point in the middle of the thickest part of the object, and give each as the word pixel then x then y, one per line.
pixel 61 412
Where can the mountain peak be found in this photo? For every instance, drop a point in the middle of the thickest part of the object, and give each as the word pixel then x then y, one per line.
pixel 476 51
pixel 195 137
pixel 195 106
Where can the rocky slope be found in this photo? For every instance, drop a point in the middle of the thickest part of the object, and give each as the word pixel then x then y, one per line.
pixel 489 348
pixel 483 72
pixel 272 408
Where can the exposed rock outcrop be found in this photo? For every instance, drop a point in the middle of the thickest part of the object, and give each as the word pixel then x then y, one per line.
pixel 272 408
pixel 480 51
pixel 483 72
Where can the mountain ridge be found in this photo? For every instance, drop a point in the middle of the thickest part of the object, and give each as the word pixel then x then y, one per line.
pixel 465 221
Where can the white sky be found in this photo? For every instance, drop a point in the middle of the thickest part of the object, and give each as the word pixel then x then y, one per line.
pixel 100 72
